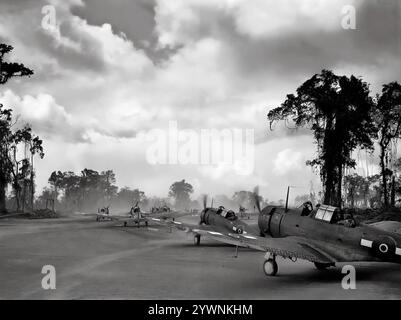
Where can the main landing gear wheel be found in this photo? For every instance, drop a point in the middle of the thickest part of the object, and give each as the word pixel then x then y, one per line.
pixel 125 223
pixel 197 240
pixel 322 266
pixel 270 267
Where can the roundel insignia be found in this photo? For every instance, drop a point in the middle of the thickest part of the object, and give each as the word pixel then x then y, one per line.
pixel 383 247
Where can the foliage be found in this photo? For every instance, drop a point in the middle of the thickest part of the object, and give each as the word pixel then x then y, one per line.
pixel 387 117
pixel 338 111
pixel 180 191
pixel 11 139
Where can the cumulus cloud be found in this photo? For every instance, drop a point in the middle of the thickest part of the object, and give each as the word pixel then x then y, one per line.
pixel 287 160
pixel 99 80
pixel 46 117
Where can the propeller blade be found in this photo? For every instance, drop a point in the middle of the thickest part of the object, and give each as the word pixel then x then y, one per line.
pixel 256 198
pixel 204 201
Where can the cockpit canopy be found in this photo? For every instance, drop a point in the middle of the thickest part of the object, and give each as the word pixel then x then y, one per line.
pixel 335 215
pixel 326 213
pixel 228 214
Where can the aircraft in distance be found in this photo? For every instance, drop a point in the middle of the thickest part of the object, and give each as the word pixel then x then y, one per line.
pixel 324 236
pixel 214 222
pixel 103 214
pixel 136 216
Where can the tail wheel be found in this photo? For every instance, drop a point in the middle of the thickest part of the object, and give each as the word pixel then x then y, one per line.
pixel 270 267
pixel 197 240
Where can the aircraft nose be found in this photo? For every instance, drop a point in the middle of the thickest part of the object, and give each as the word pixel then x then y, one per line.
pixel 263 223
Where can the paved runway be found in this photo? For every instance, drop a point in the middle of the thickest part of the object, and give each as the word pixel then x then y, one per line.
pixel 105 261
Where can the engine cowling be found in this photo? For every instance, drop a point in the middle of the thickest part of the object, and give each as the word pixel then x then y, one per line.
pixel 264 220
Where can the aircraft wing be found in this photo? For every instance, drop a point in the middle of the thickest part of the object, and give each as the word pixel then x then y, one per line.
pixel 164 215
pixel 114 217
pixel 288 247
pixel 390 226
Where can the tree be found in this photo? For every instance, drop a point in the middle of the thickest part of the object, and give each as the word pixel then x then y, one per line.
pixel 7 71
pixel 181 192
pixel 300 199
pixel 87 191
pixel 356 188
pixel 246 199
pixel 70 184
pixel 338 111
pixel 108 178
pixel 56 180
pixel 387 116
pixel 23 176
pixel 128 197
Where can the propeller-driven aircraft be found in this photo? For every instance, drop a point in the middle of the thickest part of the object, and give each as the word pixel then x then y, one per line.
pixel 136 216
pixel 322 235
pixel 215 222
pixel 103 214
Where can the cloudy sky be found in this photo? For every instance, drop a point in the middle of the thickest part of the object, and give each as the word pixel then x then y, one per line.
pixel 109 72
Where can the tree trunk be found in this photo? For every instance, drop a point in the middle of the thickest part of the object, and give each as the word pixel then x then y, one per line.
pixel 339 187
pixel 383 173
pixel 352 199
pixel 329 185
pixel 3 186
pixel 392 193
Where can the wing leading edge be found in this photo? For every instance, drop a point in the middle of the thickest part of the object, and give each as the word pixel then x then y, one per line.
pixel 288 247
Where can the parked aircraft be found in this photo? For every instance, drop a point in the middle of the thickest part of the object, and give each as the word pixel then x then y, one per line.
pixel 322 235
pixel 137 217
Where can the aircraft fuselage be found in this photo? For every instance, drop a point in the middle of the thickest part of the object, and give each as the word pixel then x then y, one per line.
pixel 342 243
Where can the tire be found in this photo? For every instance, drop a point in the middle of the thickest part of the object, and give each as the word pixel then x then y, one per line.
pixel 270 267
pixel 197 240
pixel 146 223
pixel 125 223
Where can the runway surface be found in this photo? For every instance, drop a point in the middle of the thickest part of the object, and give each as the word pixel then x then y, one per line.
pixel 106 261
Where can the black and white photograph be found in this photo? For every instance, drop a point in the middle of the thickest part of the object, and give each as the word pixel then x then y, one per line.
pixel 225 151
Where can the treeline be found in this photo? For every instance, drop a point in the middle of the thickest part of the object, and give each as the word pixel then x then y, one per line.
pixel 368 192
pixel 90 190
pixel 18 145
pixel 343 116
